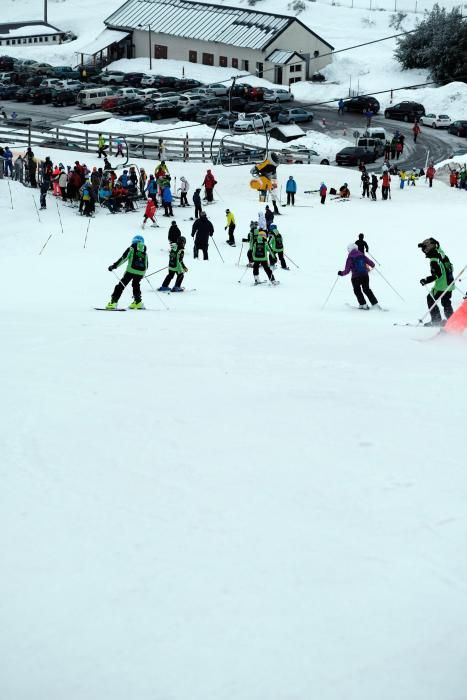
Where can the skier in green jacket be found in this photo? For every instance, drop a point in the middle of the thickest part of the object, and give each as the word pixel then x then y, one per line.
pixel 176 267
pixel 260 252
pixel 137 263
pixel 441 273
pixel 277 247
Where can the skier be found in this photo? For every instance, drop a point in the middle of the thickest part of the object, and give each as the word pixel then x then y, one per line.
pixel 176 267
pixel 197 202
pixel 149 213
pixel 430 173
pixel 174 232
pixel 119 143
pixel 184 187
pixel 201 231
pixel 167 200
pixel 250 240
pixel 374 186
pixel 441 273
pixel 323 190
pixel 230 225
pixel 291 189
pixel 44 188
pixel 261 221
pixel 137 263
pixel 344 191
pixel 62 183
pixel 365 184
pixel 276 245
pixel 386 186
pixel 361 244
pixel 273 194
pixel 358 264
pixel 340 107
pixel 260 252
pixel 269 216
pixel 416 131
pixel 8 164
pixel 402 178
pixel 209 183
pixel 101 148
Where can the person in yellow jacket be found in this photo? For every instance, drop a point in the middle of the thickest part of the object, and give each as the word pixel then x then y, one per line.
pixel 230 225
pixel 402 178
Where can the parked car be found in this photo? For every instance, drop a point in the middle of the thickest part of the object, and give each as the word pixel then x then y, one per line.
pixel 253 92
pixel 131 105
pixel 6 63
pixel 187 113
pixel 128 92
pixel 406 111
pixel 361 104
pixel 458 128
pixel 295 114
pixel 354 155
pixel 188 99
pixel 301 154
pixel 218 89
pixel 134 79
pixel 8 92
pixel 149 81
pixel 62 97
pixel 112 102
pixel 42 68
pixel 33 81
pixel 208 116
pixel 318 77
pixel 277 95
pixel 74 85
pixel 91 98
pixel 252 122
pixel 210 102
pixel 184 84
pixel 113 77
pixel 162 110
pixel 65 72
pixel 41 95
pixel 273 110
pixel 24 93
pixel 50 82
pixel 372 144
pixel 7 77
pixel 436 121
pixel 235 104
pixel 226 120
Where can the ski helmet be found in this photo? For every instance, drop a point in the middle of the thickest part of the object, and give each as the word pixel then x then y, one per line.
pixel 181 241
pixel 351 247
pixel 137 239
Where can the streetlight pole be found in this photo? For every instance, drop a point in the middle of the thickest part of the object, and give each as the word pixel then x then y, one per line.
pixel 150 48
pixel 45 11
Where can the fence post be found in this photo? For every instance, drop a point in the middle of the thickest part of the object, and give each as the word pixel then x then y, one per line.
pixel 57 133
pixel 202 150
pixel 142 144
pixel 87 140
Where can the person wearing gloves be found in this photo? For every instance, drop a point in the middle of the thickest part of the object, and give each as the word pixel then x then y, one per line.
pixel 441 273
pixel 176 267
pixel 136 259
pixel 230 227
pixel 358 264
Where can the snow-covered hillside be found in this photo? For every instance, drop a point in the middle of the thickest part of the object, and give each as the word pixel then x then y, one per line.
pixel 244 496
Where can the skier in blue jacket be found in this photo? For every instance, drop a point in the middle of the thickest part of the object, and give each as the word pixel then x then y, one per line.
pixel 167 201
pixel 291 188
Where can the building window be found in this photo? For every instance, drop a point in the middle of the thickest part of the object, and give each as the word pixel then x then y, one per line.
pixel 193 56
pixel 245 65
pixel 296 69
pixel 54 37
pixel 208 59
pixel 223 61
pixel 259 70
pixel 41 39
pixel 294 80
pixel 316 54
pixel 160 51
pixel 13 41
pixel 8 44
pixel 234 62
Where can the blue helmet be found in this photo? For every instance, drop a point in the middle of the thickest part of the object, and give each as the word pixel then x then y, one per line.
pixel 138 239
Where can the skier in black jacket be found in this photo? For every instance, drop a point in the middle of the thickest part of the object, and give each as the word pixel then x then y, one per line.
pixel 201 231
pixel 197 202
pixel 174 232
pixel 361 244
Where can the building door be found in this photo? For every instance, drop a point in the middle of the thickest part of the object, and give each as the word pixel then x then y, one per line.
pixel 160 51
pixel 278 75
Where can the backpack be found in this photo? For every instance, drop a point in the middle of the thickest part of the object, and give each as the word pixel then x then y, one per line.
pixel 359 265
pixel 139 257
pixel 278 243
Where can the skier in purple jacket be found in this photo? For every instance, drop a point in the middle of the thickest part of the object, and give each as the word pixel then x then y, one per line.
pixel 358 264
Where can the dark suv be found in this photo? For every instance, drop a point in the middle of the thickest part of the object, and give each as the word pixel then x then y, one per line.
pixel 60 97
pixel 362 104
pixel 405 111
pixel 458 128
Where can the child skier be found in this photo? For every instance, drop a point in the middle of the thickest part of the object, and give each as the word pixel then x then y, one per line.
pixel 323 190
pixel 276 245
pixel 149 213
pixel 250 240
pixel 374 186
pixel 176 267
pixel 137 263
pixel 119 152
pixel 260 252
pixel 358 264
pixel 441 274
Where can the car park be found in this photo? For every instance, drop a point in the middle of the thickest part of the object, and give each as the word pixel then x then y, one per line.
pixel 458 127
pixel 301 154
pixel 406 111
pixel 32 81
pixel 218 89
pixel 252 122
pixel 354 155
pixel 277 95
pixel 436 121
pixel 295 114
pixel 376 132
pixel 237 104
pixel 362 104
pixel 112 77
pixel 74 85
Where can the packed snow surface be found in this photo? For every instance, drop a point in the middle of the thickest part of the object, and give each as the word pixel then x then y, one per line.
pixel 246 496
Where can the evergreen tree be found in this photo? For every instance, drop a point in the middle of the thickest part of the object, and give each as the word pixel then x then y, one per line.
pixel 438 44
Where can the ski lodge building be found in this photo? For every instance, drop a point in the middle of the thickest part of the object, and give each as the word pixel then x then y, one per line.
pixel 36 32
pixel 279 47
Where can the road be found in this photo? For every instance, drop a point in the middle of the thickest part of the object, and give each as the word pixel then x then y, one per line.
pixel 435 144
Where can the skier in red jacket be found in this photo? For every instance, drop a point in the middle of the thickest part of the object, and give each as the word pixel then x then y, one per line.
pixel 149 213
pixel 209 183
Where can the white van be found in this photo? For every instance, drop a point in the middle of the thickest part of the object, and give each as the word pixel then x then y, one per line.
pixel 376 132
pixel 94 97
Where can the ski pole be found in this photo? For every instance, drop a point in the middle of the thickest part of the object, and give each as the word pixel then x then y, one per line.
pixel 246 270
pixel 329 295
pixel 293 263
pixel 239 257
pixel 59 216
pixel 37 210
pixel 373 258
pixel 155 273
pixel 11 198
pixel 157 295
pixel 448 289
pixel 389 284
pixel 217 249
pixel 40 252
pixel 87 231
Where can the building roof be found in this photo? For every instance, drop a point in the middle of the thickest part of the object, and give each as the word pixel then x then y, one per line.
pixel 27 28
pixel 282 57
pixel 204 21
pixel 102 41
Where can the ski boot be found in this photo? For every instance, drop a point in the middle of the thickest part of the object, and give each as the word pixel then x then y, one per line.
pixel 136 305
pixel 164 289
pixel 274 282
pixel 435 324
pixel 257 280
pixel 178 289
pixel 364 307
pixel 111 306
